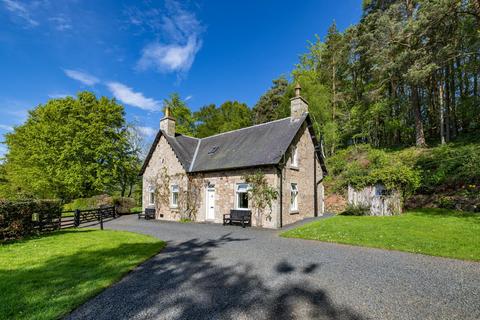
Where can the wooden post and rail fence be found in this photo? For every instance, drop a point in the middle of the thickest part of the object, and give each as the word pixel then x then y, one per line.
pixel 75 218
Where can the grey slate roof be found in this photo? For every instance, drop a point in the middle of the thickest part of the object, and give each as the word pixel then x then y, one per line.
pixel 184 148
pixel 258 145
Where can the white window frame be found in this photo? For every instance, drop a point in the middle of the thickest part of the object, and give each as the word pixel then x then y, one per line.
pixel 151 195
pixel 294 157
pixel 237 194
pixel 174 189
pixel 293 197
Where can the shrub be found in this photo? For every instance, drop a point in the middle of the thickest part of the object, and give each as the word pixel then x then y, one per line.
pixel 446 203
pixel 361 166
pixel 356 210
pixel 123 205
pixel 23 218
pixel 450 166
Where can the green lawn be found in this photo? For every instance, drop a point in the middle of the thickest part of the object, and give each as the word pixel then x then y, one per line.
pixel 46 277
pixel 435 232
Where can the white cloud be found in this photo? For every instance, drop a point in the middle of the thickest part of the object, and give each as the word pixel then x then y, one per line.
pixel 81 76
pixel 188 97
pixel 20 11
pixel 169 58
pixel 136 99
pixel 59 95
pixel 180 33
pixel 147 132
pixel 6 127
pixel 61 22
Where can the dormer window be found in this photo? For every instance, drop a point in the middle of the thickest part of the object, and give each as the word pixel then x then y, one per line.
pixel 294 157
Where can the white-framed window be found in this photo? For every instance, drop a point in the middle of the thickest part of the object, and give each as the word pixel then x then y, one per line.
pixel 151 195
pixel 293 197
pixel 294 156
pixel 174 199
pixel 241 195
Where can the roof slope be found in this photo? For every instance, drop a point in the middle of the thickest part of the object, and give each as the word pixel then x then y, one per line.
pixel 258 145
pixel 184 148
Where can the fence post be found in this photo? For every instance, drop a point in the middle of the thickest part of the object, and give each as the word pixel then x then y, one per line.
pixel 76 220
pixel 101 219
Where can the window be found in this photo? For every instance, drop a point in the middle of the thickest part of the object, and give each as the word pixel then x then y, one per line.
pixel 174 200
pixel 151 195
pixel 293 197
pixel 242 195
pixel 294 157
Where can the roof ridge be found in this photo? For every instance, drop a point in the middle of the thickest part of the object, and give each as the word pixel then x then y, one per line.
pixel 195 155
pixel 255 125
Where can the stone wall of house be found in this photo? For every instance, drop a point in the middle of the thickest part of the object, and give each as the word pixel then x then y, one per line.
pixel 303 176
pixel 225 195
pixel 225 185
pixel 163 157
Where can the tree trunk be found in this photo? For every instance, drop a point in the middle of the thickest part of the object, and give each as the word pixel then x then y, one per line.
pixel 475 75
pixel 419 135
pixel 441 110
pixel 453 103
pixel 447 104
pixel 334 92
pixel 460 78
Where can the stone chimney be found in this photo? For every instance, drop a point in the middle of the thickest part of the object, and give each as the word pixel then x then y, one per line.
pixel 167 124
pixel 298 105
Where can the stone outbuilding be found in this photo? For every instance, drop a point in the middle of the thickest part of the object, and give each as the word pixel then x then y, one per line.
pixel 376 199
pixel 211 170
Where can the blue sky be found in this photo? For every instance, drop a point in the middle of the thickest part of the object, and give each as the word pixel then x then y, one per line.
pixel 141 51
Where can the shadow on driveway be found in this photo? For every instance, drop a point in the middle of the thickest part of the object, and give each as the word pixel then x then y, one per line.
pixel 185 282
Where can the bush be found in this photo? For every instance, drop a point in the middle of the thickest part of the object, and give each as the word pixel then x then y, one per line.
pixel 446 203
pixel 361 166
pixel 450 166
pixel 123 205
pixel 23 218
pixel 356 210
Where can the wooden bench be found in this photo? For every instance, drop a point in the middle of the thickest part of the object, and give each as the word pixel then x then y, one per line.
pixel 238 216
pixel 149 213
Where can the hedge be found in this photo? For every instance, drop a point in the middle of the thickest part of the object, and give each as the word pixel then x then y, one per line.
pixel 31 217
pixel 123 205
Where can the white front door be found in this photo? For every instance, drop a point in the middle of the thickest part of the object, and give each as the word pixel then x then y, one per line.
pixel 210 204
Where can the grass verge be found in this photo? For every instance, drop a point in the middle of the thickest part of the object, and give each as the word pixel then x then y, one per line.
pixel 436 232
pixel 48 276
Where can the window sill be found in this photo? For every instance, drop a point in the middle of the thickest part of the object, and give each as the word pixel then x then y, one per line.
pixel 174 208
pixel 296 168
pixel 292 212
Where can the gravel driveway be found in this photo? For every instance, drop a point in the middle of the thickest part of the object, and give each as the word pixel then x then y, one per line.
pixel 215 272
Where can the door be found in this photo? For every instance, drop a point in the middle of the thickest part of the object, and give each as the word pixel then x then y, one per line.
pixel 210 204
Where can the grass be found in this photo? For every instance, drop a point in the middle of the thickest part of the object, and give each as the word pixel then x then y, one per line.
pixel 136 209
pixel 436 232
pixel 48 276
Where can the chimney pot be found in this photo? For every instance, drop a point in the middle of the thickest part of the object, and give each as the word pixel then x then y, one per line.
pixel 167 124
pixel 298 105
pixel 298 88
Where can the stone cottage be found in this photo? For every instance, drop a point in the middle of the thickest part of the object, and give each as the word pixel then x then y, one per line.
pixel 211 170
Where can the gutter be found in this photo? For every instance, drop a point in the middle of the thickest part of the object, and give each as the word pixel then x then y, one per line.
pixel 280 171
